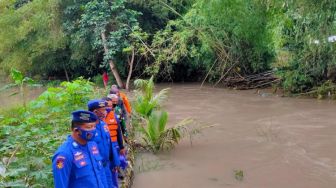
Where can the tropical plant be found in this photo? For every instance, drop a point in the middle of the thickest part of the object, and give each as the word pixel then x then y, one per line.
pixel 152 122
pixel 157 136
pixel 146 101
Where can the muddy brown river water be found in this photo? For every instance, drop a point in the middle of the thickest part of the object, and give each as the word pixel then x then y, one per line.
pixel 276 142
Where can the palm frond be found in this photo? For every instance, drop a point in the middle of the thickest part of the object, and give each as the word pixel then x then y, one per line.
pixel 163 121
pixel 140 84
pixel 160 97
pixel 155 134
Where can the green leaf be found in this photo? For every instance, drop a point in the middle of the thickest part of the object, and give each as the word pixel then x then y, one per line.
pixel 163 121
pixel 17 76
pixel 28 80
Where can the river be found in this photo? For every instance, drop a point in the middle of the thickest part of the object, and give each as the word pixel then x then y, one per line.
pixel 273 141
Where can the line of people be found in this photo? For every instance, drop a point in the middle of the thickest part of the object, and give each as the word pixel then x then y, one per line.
pixel 94 154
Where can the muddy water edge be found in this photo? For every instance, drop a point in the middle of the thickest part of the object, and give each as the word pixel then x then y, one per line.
pixel 258 141
pixel 8 101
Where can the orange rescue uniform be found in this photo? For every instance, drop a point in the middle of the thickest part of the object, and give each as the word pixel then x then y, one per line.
pixel 126 102
pixel 112 125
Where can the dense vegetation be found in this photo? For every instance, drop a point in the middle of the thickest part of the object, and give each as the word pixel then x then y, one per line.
pixel 179 40
pixel 31 135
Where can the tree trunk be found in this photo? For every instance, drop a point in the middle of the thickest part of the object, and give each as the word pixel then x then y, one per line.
pixel 112 66
pixel 66 73
pixel 130 63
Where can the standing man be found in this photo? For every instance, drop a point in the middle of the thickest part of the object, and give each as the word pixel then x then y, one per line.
pixel 123 97
pixel 114 127
pixel 109 154
pixel 78 162
pixel 124 105
pixel 113 100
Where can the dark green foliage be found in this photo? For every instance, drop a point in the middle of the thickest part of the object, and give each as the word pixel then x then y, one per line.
pixel 229 36
pixel 84 23
pixel 156 14
pixel 179 40
pixel 306 27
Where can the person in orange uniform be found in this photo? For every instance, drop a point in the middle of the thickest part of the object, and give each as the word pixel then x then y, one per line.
pixel 114 128
pixel 113 121
pixel 112 101
pixel 123 97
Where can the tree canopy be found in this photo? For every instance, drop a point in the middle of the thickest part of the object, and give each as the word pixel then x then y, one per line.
pixel 180 40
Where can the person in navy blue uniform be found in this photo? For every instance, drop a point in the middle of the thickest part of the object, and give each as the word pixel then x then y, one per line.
pixel 78 161
pixel 110 156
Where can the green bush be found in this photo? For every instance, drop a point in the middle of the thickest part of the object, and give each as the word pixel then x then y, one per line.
pixel 222 38
pixel 30 136
pixel 306 26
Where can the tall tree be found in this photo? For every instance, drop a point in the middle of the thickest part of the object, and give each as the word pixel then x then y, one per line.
pixel 109 23
pixel 28 30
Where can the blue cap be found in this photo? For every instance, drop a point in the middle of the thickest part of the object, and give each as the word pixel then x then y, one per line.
pixel 84 116
pixel 96 103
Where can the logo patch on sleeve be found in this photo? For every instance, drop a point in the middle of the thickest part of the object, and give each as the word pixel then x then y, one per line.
pixel 60 162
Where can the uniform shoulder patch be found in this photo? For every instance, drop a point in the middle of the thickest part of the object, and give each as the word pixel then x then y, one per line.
pixel 60 162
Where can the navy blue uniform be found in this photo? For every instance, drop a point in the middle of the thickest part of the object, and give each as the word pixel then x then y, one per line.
pixel 103 141
pixel 76 165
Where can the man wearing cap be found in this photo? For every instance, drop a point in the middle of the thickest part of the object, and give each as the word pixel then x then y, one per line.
pixel 110 156
pixel 123 100
pixel 112 101
pixel 78 162
pixel 113 123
